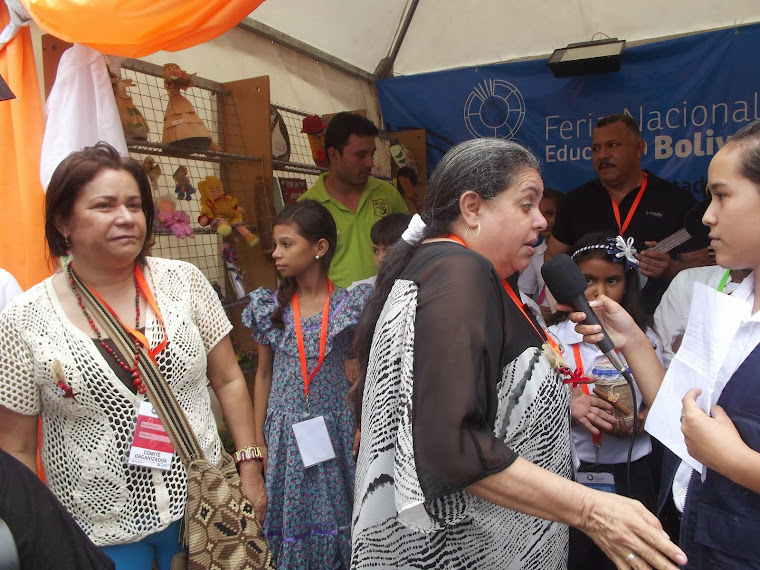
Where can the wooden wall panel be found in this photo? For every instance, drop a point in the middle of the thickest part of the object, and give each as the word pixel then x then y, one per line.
pixel 52 50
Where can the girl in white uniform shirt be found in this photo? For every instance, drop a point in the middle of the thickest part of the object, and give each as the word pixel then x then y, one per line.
pixel 721 510
pixel 600 441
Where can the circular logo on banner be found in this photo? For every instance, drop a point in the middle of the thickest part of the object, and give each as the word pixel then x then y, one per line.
pixel 494 108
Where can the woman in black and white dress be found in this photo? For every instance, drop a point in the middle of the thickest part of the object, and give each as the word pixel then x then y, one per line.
pixel 465 456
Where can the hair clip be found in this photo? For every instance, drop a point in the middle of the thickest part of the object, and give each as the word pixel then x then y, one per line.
pixel 620 248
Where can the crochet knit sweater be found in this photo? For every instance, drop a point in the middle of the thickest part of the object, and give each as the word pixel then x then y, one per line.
pixel 86 439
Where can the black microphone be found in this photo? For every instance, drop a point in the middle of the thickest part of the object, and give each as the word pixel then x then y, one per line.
pixel 568 286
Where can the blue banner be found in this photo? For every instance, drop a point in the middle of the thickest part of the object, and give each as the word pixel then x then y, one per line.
pixel 688 95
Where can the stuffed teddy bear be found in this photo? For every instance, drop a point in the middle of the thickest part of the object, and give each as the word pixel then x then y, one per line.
pixel 182 187
pixel 169 217
pixel 222 211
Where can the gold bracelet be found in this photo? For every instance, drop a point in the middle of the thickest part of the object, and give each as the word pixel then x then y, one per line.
pixel 247 454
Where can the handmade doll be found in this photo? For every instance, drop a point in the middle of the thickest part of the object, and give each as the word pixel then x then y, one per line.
pixel 182 125
pixel 230 257
pixel 171 218
pixel 315 127
pixel 222 211
pixel 153 170
pixel 134 124
pixel 182 187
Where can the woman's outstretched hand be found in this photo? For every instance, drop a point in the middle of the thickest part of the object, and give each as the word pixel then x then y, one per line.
pixel 622 527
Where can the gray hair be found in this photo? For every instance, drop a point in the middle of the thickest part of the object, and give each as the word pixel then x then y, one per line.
pixel 485 166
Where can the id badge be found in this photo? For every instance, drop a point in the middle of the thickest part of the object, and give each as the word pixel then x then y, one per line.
pixel 599 481
pixel 313 441
pixel 151 446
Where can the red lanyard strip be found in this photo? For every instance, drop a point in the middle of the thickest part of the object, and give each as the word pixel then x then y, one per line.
pixel 635 205
pixel 307 378
pixel 541 295
pixel 543 335
pixel 596 438
pixel 142 283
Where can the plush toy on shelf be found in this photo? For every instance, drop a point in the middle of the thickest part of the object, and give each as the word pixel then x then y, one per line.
pixel 182 125
pixel 183 188
pixel 171 218
pixel 222 211
pixel 230 257
pixel 153 170
pixel 314 127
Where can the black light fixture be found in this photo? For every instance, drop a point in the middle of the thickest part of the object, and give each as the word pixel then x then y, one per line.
pixel 5 91
pixel 586 58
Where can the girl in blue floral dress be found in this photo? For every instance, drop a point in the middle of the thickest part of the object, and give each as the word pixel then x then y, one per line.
pixel 301 376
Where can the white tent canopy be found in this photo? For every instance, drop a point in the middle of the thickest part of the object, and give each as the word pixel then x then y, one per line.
pixel 445 34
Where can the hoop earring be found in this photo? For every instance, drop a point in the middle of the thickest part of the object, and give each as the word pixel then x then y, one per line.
pixel 467 231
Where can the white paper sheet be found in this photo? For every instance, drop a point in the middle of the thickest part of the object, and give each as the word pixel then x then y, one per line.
pixel 713 321
pixel 313 441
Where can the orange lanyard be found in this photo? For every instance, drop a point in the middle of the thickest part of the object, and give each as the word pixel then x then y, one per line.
pixel 596 439
pixel 542 334
pixel 545 336
pixel 142 283
pixel 635 205
pixel 307 378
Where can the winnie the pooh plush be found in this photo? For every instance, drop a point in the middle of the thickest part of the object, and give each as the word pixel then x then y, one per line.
pixel 222 211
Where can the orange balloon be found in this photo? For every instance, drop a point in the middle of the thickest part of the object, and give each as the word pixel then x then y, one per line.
pixel 136 28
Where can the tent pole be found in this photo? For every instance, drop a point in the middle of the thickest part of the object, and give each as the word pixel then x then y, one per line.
pixel 384 69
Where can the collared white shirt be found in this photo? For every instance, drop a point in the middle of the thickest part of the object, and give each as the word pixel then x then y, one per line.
pixel 745 339
pixel 531 282
pixel 672 313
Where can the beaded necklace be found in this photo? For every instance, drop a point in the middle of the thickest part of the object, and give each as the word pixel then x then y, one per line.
pixel 134 371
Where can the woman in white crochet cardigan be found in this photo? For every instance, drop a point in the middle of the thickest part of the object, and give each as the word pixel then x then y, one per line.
pixel 57 364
